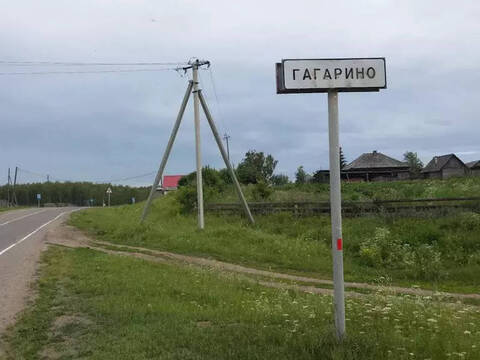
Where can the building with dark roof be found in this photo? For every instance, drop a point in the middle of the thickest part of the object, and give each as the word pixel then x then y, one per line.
pixel 474 167
pixel 445 166
pixel 373 166
pixel 376 166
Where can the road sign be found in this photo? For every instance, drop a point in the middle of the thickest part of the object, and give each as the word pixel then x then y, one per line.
pixel 109 192
pixel 323 75
pixel 333 76
pixel 39 196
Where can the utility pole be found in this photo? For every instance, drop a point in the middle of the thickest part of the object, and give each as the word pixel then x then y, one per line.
pixel 9 182
pixel 14 196
pixel 193 88
pixel 198 151
pixel 226 138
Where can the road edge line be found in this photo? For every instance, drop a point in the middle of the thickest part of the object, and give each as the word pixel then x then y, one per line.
pixel 35 231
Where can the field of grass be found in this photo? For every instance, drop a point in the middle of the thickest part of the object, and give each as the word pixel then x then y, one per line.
pixel 97 306
pixel 434 252
pixel 395 190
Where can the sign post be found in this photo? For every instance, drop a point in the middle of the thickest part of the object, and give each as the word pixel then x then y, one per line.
pixel 39 197
pixel 109 192
pixel 333 76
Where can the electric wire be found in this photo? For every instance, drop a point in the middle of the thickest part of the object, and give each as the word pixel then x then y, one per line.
pixel 83 72
pixel 77 63
pixel 214 87
pixel 103 181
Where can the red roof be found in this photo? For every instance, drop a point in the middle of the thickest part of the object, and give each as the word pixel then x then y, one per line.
pixel 171 180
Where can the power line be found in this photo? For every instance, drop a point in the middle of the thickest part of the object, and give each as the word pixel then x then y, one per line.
pixel 128 178
pixel 63 63
pixel 37 174
pixel 82 72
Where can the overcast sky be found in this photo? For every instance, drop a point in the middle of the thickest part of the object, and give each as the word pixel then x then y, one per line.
pixel 115 125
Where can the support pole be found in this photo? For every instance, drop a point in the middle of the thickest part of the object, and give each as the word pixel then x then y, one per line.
pixel 336 215
pixel 9 180
pixel 14 195
pixel 198 151
pixel 167 151
pixel 225 157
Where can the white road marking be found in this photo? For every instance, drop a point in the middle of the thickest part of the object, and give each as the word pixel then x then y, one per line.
pixel 22 217
pixel 35 231
pixel 8 212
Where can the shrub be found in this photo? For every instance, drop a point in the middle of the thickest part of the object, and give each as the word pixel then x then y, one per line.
pixel 427 263
pixel 385 250
pixel 262 191
pixel 210 178
pixel 469 220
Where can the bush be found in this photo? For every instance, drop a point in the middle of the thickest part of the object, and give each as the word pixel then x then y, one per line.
pixel 469 220
pixel 261 191
pixel 427 263
pixel 386 250
pixel 187 197
pixel 210 178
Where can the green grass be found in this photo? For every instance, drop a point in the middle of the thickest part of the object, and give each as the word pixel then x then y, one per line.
pixel 365 191
pixel 97 306
pixel 302 245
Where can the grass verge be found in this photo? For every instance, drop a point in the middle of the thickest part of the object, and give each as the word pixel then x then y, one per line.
pixel 435 253
pixel 98 306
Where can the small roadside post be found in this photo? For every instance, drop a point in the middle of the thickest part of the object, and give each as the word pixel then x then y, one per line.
pixel 109 192
pixel 333 76
pixel 39 197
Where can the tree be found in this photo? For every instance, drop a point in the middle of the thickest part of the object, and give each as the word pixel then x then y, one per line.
pixel 415 164
pixel 300 176
pixel 343 162
pixel 280 179
pixel 256 167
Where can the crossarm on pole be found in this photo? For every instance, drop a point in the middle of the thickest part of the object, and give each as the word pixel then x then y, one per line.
pixel 225 157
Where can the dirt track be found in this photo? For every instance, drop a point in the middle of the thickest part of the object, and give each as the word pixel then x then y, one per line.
pixel 71 237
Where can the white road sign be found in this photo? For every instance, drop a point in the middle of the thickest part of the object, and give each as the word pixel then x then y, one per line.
pixel 322 75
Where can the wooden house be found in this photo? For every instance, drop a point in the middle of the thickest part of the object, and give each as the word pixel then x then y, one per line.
pixel 445 166
pixel 474 167
pixel 375 166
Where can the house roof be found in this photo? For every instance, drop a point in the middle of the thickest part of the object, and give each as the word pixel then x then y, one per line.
pixel 171 180
pixel 438 162
pixel 375 160
pixel 473 164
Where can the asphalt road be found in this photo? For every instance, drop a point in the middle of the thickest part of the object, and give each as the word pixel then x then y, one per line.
pixel 22 239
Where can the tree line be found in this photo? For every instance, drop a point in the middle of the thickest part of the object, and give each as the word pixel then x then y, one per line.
pixel 73 193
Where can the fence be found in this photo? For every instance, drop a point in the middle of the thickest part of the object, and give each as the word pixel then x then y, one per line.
pixel 351 208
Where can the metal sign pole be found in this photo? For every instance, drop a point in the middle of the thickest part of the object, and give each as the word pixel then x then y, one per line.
pixel 336 215
pixel 196 113
pixel 333 76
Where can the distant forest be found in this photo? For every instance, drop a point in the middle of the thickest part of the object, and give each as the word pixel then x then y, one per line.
pixel 74 193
